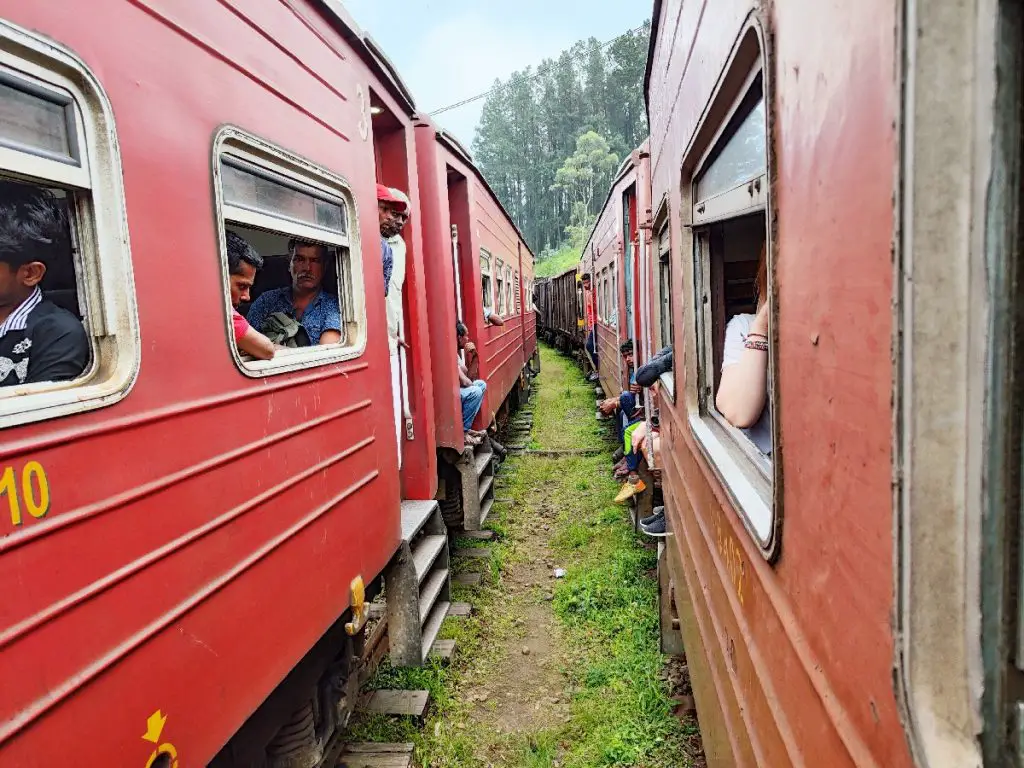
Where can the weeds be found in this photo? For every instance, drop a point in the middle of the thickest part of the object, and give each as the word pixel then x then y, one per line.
pixel 619 711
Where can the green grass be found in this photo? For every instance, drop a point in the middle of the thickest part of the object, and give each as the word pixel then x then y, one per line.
pixel 620 714
pixel 556 262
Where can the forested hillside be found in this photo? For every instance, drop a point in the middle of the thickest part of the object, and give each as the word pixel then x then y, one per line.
pixel 551 138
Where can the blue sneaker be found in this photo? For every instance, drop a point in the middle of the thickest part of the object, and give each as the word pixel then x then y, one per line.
pixel 658 512
pixel 655 529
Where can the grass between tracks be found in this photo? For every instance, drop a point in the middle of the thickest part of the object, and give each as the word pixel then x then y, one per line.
pixel 619 710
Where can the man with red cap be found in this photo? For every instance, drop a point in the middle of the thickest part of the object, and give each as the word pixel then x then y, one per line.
pixel 392 213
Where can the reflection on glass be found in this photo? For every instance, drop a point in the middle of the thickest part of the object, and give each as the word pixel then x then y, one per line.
pixel 255 192
pixel 30 121
pixel 742 158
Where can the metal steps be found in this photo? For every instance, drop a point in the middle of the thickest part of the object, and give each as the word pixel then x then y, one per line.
pixel 476 470
pixel 417 583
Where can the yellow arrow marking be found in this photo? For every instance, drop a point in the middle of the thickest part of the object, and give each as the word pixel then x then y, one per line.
pixel 155 726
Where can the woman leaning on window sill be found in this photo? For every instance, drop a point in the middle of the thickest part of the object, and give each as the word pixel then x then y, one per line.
pixel 743 391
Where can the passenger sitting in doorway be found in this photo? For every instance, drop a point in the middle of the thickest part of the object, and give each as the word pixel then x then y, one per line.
pixel 243 261
pixel 471 392
pixel 305 300
pixel 625 403
pixel 39 341
pixel 743 391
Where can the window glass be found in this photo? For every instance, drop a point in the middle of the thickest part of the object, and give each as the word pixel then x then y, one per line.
pixel 249 188
pixel 303 296
pixel 664 289
pixel 741 159
pixel 485 280
pixel 499 270
pixel 34 122
pixel 66 244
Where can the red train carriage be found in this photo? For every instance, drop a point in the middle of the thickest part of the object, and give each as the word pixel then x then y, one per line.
pixel 612 258
pixel 851 595
pixel 473 246
pixel 185 525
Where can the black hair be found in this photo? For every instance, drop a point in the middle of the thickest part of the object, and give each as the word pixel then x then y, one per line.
pixel 294 243
pixel 460 329
pixel 239 250
pixel 586 276
pixel 33 224
pixel 626 347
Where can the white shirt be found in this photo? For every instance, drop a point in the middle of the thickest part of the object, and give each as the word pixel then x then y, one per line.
pixel 735 336
pixel 393 301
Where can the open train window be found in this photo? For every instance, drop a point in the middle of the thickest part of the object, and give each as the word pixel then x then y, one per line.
pixel 69 337
pixel 499 271
pixel 613 299
pixel 731 278
pixel 297 217
pixel 486 286
pixel 664 292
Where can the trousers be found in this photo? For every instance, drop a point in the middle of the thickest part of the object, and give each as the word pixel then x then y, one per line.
pixel 472 398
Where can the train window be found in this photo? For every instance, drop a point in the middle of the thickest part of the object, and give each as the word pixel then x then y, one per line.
pixel 664 277
pixel 731 277
pixel 486 287
pixel 515 293
pixel 613 300
pixel 65 240
pixel 297 217
pixel 499 270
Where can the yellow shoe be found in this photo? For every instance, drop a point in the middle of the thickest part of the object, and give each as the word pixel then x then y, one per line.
pixel 629 490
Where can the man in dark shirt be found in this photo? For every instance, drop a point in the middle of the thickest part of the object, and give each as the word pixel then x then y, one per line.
pixel 39 341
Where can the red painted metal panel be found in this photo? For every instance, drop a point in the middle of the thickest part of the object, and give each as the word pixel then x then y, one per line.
pixel 798 657
pixel 204 504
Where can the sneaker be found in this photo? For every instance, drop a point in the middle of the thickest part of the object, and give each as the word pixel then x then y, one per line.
pixel 618 455
pixel 655 529
pixel 601 416
pixel 658 512
pixel 593 378
pixel 629 490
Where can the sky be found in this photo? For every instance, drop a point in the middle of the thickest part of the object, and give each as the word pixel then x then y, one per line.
pixel 449 50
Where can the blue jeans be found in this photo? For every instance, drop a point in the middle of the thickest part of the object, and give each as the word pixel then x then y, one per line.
pixel 472 398
pixel 627 404
pixel 591 346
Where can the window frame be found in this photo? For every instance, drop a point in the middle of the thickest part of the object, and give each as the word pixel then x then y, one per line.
pixel 755 496
pixel 487 297
pixel 98 224
pixel 662 251
pixel 499 277
pixel 292 169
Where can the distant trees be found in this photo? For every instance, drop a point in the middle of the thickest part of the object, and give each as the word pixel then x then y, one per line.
pixel 550 138
pixel 578 179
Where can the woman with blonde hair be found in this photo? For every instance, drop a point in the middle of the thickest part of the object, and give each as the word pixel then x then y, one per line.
pixel 743 390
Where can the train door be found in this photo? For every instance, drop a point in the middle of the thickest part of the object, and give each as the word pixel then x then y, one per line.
pixel 458 215
pixel 391 161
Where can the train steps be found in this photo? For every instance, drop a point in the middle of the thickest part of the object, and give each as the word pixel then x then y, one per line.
pixel 476 470
pixel 418 584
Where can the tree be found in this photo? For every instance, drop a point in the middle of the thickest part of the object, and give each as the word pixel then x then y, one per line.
pixel 532 122
pixel 588 169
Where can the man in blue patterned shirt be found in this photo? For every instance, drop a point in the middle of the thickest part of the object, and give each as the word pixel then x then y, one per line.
pixel 305 300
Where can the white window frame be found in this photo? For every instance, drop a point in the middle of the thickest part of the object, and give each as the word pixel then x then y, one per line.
pixel 103 266
pixel 485 271
pixel 749 480
pixel 236 143
pixel 666 338
pixel 499 272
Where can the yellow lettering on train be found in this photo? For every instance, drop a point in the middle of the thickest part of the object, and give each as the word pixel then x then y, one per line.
pixel 33 492
pixel 731 554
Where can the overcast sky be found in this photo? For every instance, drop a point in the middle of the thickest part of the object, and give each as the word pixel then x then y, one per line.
pixel 449 50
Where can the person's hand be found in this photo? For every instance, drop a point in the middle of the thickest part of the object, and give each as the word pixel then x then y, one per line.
pixel 760 324
pixel 402 343
pixel 635 388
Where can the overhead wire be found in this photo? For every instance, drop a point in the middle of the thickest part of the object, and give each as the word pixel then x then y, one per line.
pixel 540 71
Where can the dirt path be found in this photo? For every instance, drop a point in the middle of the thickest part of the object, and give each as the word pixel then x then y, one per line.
pixel 553 672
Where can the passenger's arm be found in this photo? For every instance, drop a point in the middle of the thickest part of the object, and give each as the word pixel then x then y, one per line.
pixel 495 319
pixel 464 380
pixel 255 344
pixel 743 390
pixel 331 333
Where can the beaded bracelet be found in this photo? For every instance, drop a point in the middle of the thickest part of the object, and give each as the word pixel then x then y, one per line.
pixel 760 346
pixel 758 335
